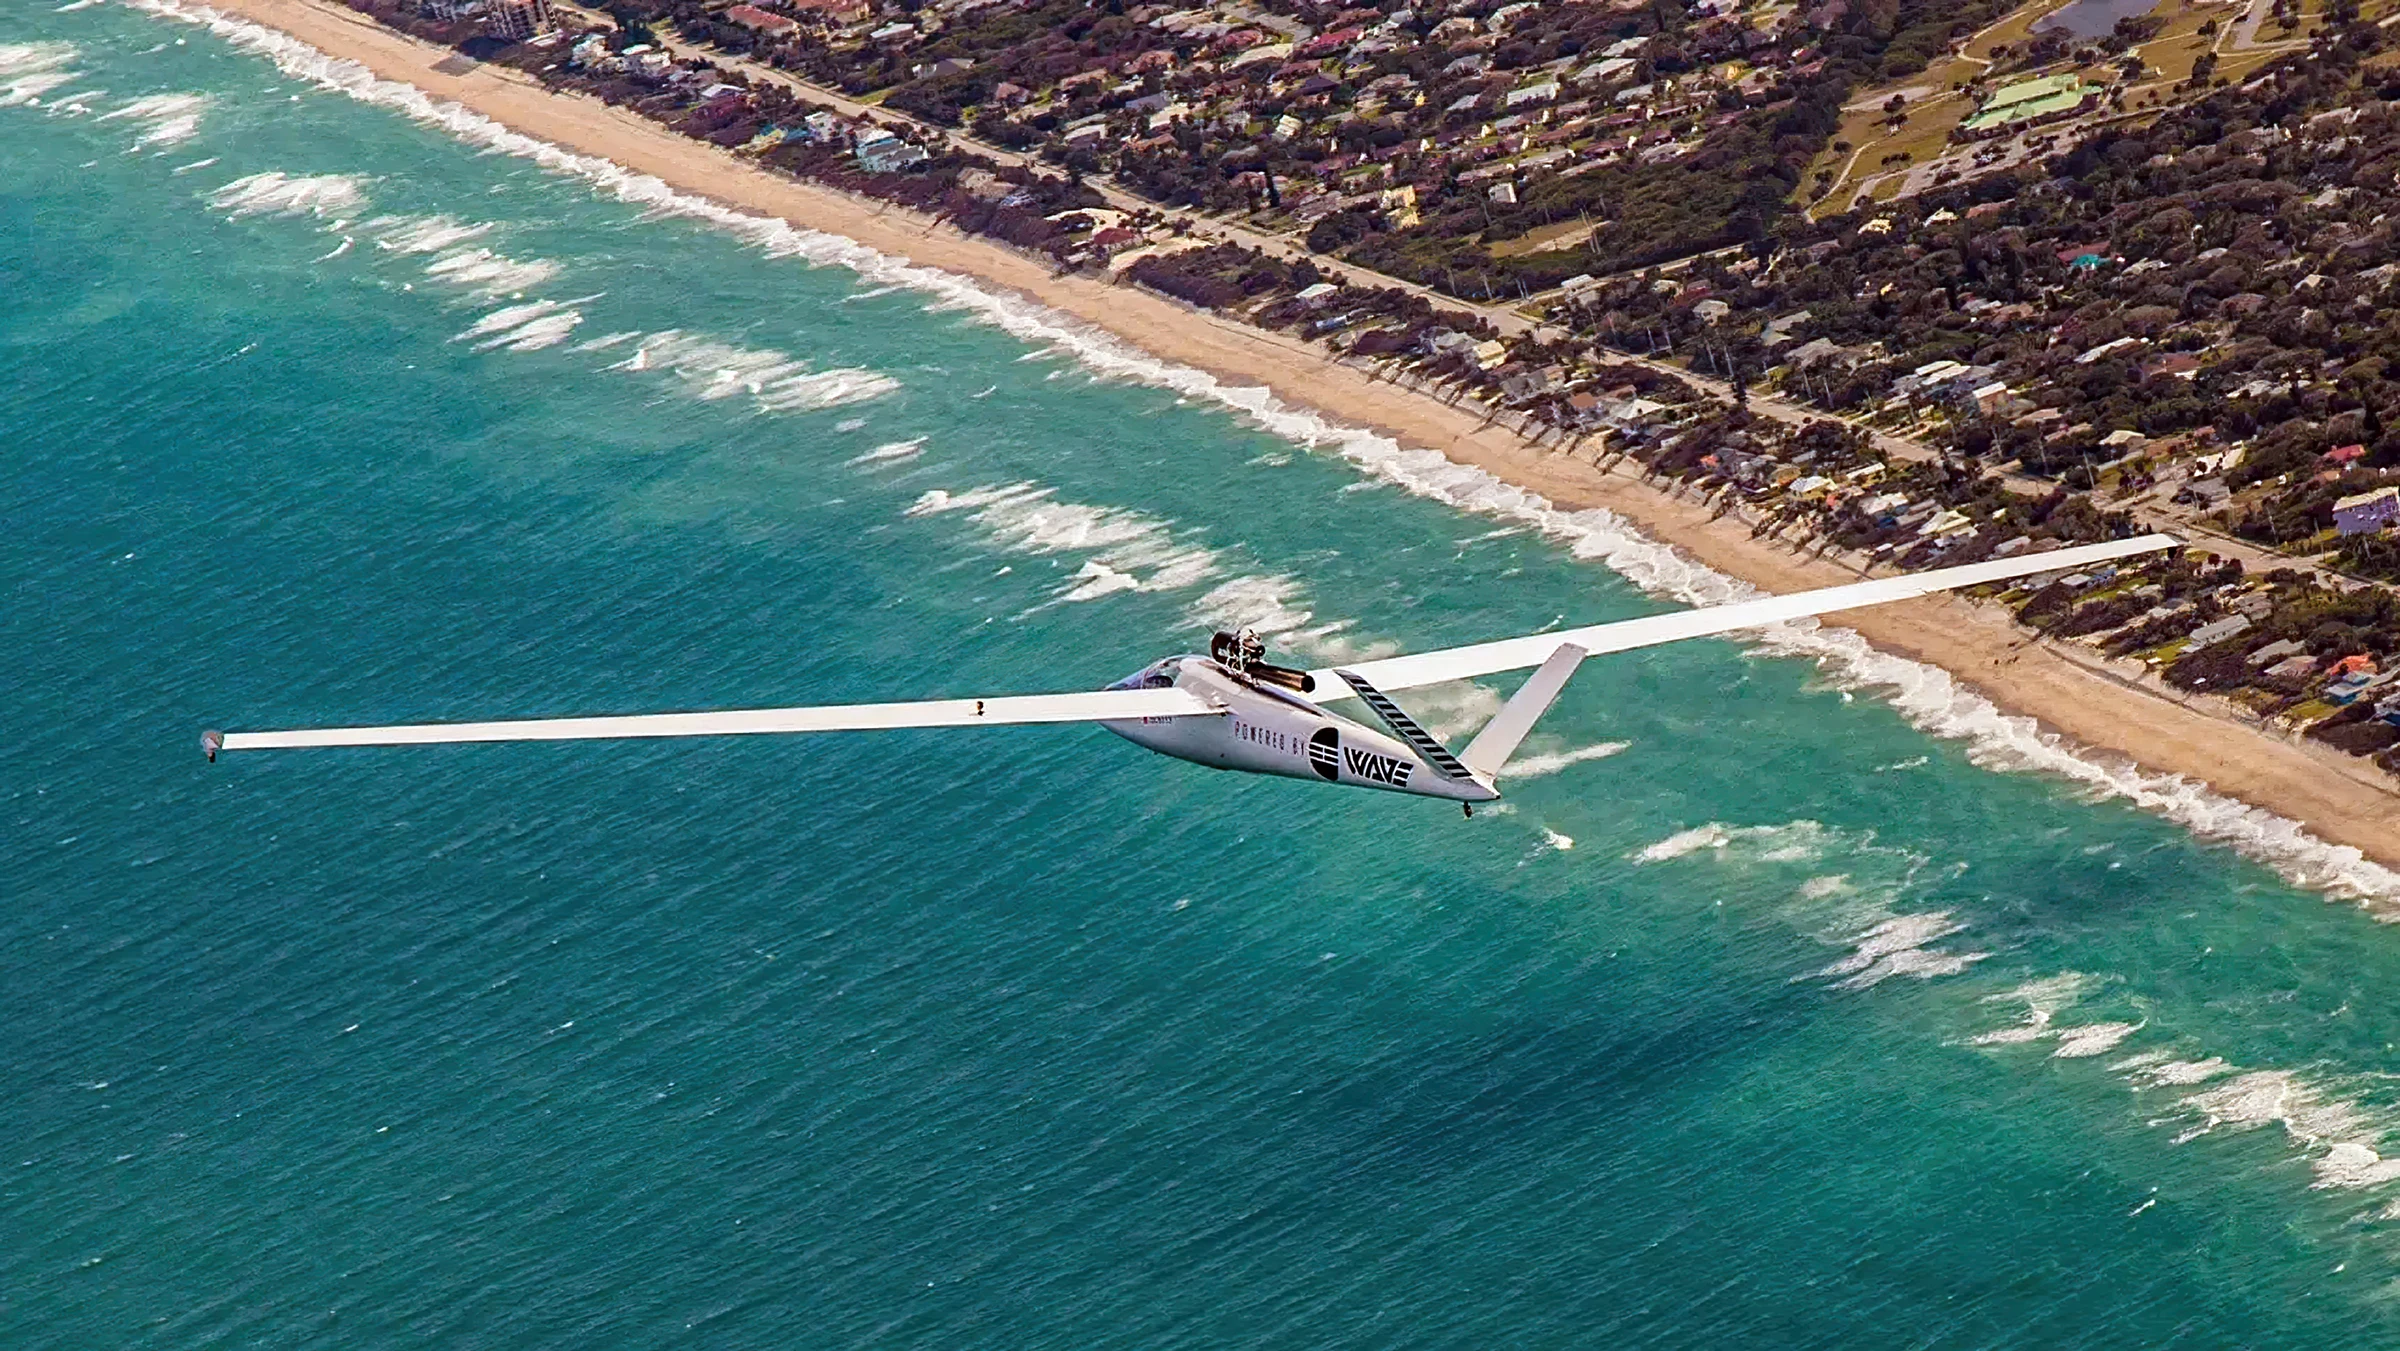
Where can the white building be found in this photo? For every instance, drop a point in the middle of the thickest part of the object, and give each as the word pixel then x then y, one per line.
pixel 2367 513
pixel 518 20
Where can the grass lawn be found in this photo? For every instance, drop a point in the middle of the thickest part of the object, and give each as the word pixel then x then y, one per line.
pixel 1931 119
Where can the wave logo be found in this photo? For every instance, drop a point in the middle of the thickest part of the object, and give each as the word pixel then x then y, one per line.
pixel 1325 754
pixel 1375 768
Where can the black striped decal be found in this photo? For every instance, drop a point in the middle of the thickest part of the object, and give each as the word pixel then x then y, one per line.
pixel 1325 754
pixel 1421 741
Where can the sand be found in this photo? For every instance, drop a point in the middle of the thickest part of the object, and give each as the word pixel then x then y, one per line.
pixel 2338 798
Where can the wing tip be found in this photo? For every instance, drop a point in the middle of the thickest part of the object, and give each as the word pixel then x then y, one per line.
pixel 211 741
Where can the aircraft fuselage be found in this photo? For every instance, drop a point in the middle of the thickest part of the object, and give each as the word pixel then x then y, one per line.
pixel 1267 730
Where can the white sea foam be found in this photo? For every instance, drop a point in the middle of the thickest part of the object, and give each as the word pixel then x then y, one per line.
pixel 773 382
pixel 508 317
pixel 2339 1135
pixel 2353 1163
pixel 1449 710
pixel 26 58
pixel 459 260
pixel 1275 605
pixel 28 90
pixel 2337 1132
pixel 1794 841
pixel 424 234
pixel 2044 999
pixel 2090 1039
pixel 195 164
pixel 890 451
pixel 1133 551
pixel 1926 696
pixel 1538 766
pixel 1861 910
pixel 2048 994
pixel 548 331
pixel 1899 947
pixel 489 273
pixel 2161 1070
pixel 1682 842
pixel 528 327
pixel 280 194
pixel 2276 1097
pixel 29 70
pixel 167 119
pixel 607 340
pixel 338 249
pixel 1127 550
pixel 1278 607
pixel 1096 579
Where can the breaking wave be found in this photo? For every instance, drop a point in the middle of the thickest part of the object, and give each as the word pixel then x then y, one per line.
pixel 1793 842
pixel 1926 696
pixel 488 272
pixel 529 327
pixel 1899 946
pixel 1536 766
pixel 1277 606
pixel 1861 910
pixel 2339 1135
pixel 1128 550
pixel 425 234
pixel 279 194
pixel 891 451
pixel 458 259
pixel 168 119
pixel 28 70
pixel 710 370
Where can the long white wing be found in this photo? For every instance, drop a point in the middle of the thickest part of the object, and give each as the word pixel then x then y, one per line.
pixel 1424 668
pixel 1089 706
pixel 1509 654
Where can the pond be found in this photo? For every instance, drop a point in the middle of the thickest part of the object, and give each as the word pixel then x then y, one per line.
pixel 2093 18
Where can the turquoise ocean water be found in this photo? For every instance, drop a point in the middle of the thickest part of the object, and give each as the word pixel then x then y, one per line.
pixel 1775 1013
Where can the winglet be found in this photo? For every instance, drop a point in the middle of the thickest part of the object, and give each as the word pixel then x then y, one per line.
pixel 212 741
pixel 1500 737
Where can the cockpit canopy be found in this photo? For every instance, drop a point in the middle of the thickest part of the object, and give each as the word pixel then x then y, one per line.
pixel 1158 675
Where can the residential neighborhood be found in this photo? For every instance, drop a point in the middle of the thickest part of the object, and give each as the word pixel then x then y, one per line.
pixel 2174 322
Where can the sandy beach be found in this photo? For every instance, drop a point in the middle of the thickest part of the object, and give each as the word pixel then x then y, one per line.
pixel 2340 799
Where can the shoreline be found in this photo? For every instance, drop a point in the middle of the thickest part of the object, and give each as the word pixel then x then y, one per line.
pixel 2077 696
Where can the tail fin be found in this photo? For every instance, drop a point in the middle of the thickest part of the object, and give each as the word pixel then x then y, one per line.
pixel 1499 738
pixel 1419 740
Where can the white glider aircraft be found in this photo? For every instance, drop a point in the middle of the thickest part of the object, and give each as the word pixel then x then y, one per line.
pixel 1232 710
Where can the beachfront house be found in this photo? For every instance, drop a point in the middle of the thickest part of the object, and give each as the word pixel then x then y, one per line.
pixel 2353 676
pixel 645 62
pixel 880 152
pixel 2232 626
pixel 2366 513
pixel 761 21
pixel 519 20
pixel 2282 649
